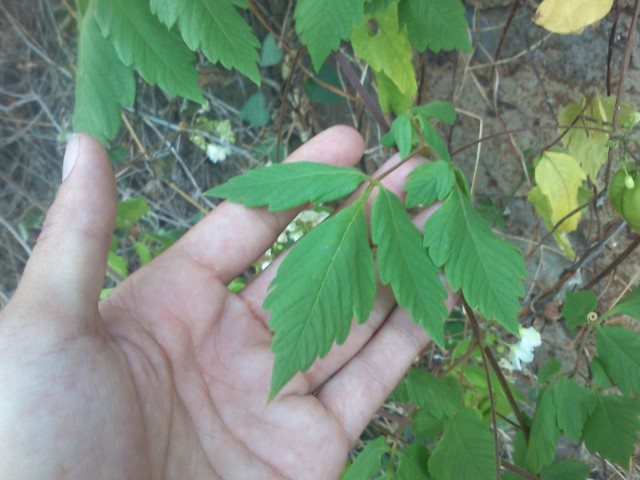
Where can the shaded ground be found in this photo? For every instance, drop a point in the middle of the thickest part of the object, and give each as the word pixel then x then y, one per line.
pixel 535 75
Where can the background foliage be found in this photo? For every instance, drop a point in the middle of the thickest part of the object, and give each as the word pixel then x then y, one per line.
pixel 587 398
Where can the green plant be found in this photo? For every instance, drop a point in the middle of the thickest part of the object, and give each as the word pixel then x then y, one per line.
pixel 447 434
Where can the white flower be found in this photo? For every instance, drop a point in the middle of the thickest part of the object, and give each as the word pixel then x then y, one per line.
pixel 217 153
pixel 312 217
pixel 523 350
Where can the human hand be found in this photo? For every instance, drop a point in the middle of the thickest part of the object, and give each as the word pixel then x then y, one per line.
pixel 169 376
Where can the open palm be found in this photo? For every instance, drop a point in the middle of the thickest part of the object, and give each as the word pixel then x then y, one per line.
pixel 169 376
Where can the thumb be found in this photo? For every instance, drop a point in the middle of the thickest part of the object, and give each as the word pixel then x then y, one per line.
pixel 67 267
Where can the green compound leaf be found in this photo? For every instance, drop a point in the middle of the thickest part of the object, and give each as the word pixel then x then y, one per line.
pixel 440 397
pixel 386 49
pixel 612 428
pixel 217 27
pixel 435 24
pixel 488 269
pixel 565 470
pixel 465 450
pixel 323 25
pixel 577 306
pixel 369 461
pixel 402 132
pixel 404 263
pixel 160 56
pixel 428 183
pixel 326 280
pixel 544 433
pixel 287 185
pixel 619 352
pixel 630 305
pixel 574 404
pixel 103 84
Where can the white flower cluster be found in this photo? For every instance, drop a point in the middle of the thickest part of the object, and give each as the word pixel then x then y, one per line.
pixel 303 223
pixel 217 149
pixel 522 352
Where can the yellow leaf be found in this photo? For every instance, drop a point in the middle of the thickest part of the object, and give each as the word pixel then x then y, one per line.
pixel 380 42
pixel 559 178
pixel 542 205
pixel 590 144
pixel 570 16
pixel 390 97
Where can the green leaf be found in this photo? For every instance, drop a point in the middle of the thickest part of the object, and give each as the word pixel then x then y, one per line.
pixel 103 84
pixel 612 428
pixel 428 183
pixel 401 134
pixel 82 6
pixel 117 154
pixel 143 253
pixel 441 397
pixel 141 40
pixel 630 305
pixel 427 426
pixel 399 394
pixel 379 42
pixel 376 6
pixel 413 463
pixel 435 24
pixel 404 263
pixel 368 461
pixel 255 111
pixel 217 27
pixel 131 211
pixel 118 264
pixel 317 92
pixel 271 53
pixel 465 451
pixel 488 269
pixel 323 25
pixel 600 377
pixel 433 139
pixel 548 370
pixel 574 404
pixel 577 306
pixel 544 433
pixel 288 185
pixel 443 111
pixel 619 351
pixel 519 444
pixel 565 470
pixel 326 280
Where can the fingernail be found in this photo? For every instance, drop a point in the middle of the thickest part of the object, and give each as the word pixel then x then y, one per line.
pixel 70 155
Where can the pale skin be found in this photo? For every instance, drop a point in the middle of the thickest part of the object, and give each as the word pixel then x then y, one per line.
pixel 169 376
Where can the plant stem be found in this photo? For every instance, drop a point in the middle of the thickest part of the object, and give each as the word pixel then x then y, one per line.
pixel 632 246
pixel 628 50
pixel 519 471
pixel 308 73
pixel 526 129
pixel 368 100
pixel 478 335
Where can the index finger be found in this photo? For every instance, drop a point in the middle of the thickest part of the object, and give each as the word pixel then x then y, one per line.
pixel 229 239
